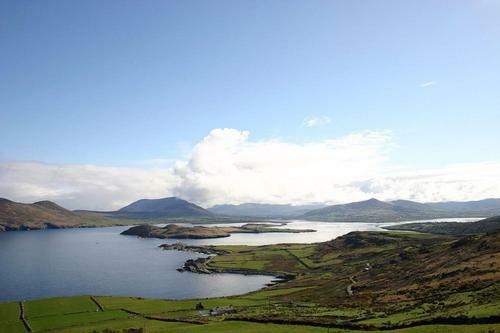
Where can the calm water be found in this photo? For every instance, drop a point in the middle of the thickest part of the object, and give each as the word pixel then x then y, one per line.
pixel 99 261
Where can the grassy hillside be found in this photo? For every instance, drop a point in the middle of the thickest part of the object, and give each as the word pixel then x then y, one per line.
pixel 395 282
pixel 366 211
pixel 49 215
pixel 452 228
pixel 39 215
pixel 376 211
pixel 485 207
pixel 381 278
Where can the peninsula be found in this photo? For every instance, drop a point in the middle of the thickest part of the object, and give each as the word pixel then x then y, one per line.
pixel 390 281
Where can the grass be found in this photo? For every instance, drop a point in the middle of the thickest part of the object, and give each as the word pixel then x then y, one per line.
pixel 76 319
pixel 153 306
pixel 12 327
pixel 151 326
pixel 109 321
pixel 265 294
pixel 451 228
pixel 9 318
pixel 146 306
pixel 267 258
pixel 9 312
pixel 77 316
pixel 240 261
pixel 59 306
pixel 410 278
pixel 246 327
pixel 487 328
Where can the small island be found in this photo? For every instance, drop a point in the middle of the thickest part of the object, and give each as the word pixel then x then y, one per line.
pixel 199 232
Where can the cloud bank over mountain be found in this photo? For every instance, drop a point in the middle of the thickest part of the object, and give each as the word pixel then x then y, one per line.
pixel 227 166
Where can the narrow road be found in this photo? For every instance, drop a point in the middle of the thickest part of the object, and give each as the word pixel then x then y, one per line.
pixel 349 287
pixel 353 279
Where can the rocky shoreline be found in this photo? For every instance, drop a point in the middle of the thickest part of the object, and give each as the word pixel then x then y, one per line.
pixel 201 265
pixel 190 248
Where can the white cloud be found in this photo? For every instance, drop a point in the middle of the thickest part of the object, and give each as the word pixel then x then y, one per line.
pixel 427 84
pixel 228 167
pixel 316 121
pixel 82 186
pixel 458 182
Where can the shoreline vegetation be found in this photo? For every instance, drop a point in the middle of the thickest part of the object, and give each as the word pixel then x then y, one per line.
pixel 363 281
pixel 451 228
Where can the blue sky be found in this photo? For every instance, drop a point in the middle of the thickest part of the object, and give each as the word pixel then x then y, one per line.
pixel 113 83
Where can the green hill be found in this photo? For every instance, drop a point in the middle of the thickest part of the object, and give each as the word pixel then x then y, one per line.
pixel 452 228
pixel 38 215
pixel 374 210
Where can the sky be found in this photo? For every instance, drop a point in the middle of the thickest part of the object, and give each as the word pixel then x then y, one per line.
pixel 106 102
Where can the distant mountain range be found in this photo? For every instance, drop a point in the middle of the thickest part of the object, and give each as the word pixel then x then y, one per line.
pixel 487 207
pixel 46 214
pixel 263 210
pixel 374 210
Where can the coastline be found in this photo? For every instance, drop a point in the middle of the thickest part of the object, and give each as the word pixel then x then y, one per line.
pixel 200 265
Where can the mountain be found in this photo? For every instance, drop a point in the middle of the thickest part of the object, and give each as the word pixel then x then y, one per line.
pixel 263 210
pixel 49 215
pixel 486 207
pixel 491 224
pixel 160 208
pixel 39 215
pixel 374 210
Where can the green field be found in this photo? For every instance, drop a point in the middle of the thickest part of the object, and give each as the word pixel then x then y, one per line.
pixel 9 311
pixel 399 282
pixel 76 319
pixel 9 318
pixel 90 320
pixel 59 306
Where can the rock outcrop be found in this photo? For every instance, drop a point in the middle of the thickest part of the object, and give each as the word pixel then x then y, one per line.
pixel 188 248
